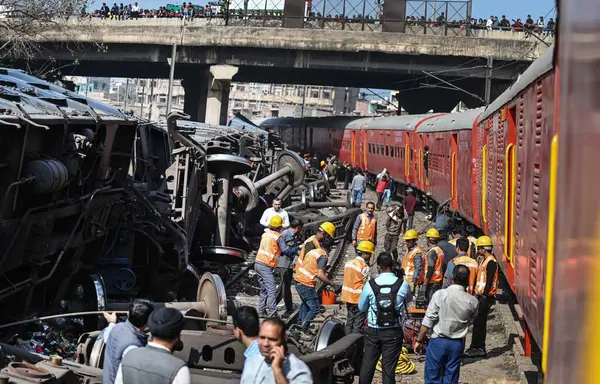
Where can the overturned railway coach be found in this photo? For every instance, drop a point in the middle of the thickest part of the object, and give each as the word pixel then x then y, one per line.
pixel 492 165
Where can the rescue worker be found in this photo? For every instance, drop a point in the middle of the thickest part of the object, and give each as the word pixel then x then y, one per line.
pixel 310 267
pixel 356 274
pixel 333 173
pixel 434 271
pixel 412 263
pixel 486 286
pixel 285 265
pixel 365 226
pixel 458 233
pixel 462 258
pixel 267 257
pixel 324 168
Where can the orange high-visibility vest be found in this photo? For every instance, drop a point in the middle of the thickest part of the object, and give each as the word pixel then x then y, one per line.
pixel 472 265
pixel 482 278
pixel 268 252
pixel 408 264
pixel 306 273
pixel 438 267
pixel 312 239
pixel 366 230
pixel 354 281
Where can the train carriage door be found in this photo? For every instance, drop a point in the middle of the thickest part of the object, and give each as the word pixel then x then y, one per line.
pixel 419 163
pixel 510 185
pixel 365 150
pixel 454 173
pixel 353 148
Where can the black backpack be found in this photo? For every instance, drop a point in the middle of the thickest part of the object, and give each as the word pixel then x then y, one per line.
pixel 387 316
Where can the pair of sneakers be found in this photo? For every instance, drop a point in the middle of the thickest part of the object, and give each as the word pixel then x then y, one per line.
pixel 475 352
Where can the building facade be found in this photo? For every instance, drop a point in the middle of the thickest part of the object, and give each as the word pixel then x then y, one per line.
pixel 148 97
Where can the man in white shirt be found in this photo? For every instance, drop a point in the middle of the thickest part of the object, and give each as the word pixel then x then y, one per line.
pixel 155 362
pixel 275 210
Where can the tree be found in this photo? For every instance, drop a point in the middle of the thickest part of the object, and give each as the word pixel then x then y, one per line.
pixel 23 22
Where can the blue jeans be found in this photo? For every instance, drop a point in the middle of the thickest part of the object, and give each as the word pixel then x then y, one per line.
pixel 268 289
pixel 442 361
pixel 387 193
pixel 357 197
pixel 309 309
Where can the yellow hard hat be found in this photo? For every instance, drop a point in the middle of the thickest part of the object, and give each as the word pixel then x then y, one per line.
pixel 322 163
pixel 484 241
pixel 275 221
pixel 432 233
pixel 366 246
pixel 411 234
pixel 328 228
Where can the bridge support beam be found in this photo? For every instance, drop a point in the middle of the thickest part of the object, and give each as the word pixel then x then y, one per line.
pixel 207 94
pixel 217 101
pixel 194 103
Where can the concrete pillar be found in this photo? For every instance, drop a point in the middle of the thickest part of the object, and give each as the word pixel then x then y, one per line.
pixel 394 16
pixel 293 13
pixel 194 103
pixel 217 100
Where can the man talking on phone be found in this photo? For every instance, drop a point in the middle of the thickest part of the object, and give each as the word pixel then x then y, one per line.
pixel 274 365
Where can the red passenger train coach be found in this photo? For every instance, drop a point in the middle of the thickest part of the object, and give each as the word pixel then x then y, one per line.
pixel 492 165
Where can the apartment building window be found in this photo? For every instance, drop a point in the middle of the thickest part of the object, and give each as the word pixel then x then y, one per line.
pixel 327 94
pixel 314 93
pixel 278 91
pixel 290 92
pixel 240 88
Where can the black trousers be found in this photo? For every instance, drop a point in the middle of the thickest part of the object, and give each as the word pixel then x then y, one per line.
pixel 379 200
pixel 388 344
pixel 355 319
pixel 480 323
pixel 390 244
pixel 431 289
pixel 285 287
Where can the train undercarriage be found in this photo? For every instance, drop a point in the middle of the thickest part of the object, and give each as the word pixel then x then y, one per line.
pixel 100 207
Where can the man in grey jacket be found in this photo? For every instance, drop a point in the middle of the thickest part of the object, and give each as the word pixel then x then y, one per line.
pixel 155 363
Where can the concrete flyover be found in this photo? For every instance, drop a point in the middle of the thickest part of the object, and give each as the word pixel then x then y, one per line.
pixel 140 48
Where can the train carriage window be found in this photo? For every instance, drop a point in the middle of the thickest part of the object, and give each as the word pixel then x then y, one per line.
pixel 411 154
pixel 376 149
pixel 370 148
pixel 392 151
pixel 387 150
pixel 381 149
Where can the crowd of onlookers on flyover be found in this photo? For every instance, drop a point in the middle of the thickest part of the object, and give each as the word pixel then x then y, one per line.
pixel 189 11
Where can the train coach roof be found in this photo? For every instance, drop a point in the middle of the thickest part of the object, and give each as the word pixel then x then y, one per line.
pixel 359 123
pixel 397 123
pixel 451 122
pixel 311 122
pixel 538 68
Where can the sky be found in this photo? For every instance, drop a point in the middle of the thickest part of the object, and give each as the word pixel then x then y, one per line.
pixel 513 9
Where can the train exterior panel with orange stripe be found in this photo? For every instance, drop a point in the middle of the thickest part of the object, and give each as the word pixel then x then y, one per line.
pixel 519 129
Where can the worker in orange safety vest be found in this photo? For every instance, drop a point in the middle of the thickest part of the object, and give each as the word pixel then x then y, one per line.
pixel 356 274
pixel 462 258
pixel 486 286
pixel 434 265
pixel 365 226
pixel 310 267
pixel 271 247
pixel 412 263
